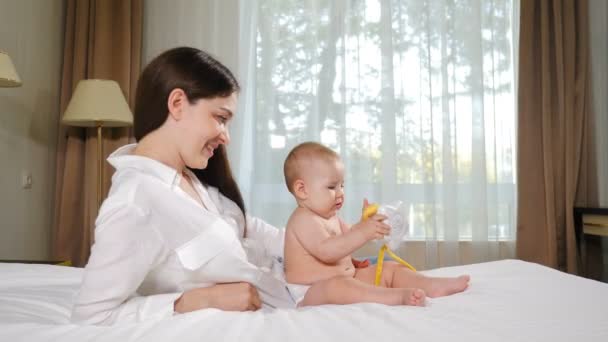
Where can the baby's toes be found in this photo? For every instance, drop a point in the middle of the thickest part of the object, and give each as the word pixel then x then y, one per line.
pixel 418 297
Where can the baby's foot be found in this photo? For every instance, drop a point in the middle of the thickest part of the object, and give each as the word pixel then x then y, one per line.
pixel 446 286
pixel 415 297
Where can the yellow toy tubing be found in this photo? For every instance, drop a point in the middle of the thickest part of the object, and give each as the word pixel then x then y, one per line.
pixel 368 212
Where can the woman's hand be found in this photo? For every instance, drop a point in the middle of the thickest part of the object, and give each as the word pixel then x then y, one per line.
pixel 229 297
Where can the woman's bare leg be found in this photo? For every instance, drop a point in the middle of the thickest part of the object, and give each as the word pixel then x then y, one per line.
pixel 395 275
pixel 348 290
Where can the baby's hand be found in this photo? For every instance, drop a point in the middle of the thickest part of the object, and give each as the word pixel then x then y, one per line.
pixel 373 227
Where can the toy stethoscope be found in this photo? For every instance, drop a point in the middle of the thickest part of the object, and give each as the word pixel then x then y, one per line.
pixel 395 219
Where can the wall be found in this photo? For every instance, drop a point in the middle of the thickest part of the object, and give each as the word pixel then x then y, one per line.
pixel 31 32
pixel 598 23
pixel 598 29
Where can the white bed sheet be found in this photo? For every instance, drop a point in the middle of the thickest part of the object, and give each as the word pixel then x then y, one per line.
pixel 508 300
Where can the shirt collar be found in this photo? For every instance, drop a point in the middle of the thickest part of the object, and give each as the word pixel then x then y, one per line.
pixel 123 158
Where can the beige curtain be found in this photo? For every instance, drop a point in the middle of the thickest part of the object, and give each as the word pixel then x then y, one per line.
pixel 102 40
pixel 556 163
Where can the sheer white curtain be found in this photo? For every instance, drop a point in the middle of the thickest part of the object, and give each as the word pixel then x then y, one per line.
pixel 416 96
pixel 211 25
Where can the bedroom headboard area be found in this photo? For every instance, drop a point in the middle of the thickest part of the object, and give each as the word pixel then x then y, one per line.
pixel 31 33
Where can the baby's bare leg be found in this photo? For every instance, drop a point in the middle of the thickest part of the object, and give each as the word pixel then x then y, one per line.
pixel 395 275
pixel 348 290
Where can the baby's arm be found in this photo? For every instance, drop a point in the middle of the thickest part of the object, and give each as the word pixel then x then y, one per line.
pixel 344 227
pixel 316 239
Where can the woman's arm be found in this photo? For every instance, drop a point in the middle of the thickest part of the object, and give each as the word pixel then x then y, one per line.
pixel 125 250
pixel 272 238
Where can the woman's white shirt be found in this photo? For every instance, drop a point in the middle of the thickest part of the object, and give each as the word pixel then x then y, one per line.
pixel 153 242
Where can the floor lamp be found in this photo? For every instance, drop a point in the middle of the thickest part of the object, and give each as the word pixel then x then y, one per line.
pixel 98 103
pixel 8 74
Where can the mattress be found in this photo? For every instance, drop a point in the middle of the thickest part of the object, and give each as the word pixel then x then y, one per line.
pixel 507 300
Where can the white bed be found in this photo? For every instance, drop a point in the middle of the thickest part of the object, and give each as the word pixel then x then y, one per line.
pixel 508 300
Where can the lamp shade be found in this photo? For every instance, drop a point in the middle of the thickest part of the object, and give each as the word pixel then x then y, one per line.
pixel 97 102
pixel 8 74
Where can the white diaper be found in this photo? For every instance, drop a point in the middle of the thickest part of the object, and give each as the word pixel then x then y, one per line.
pixel 297 292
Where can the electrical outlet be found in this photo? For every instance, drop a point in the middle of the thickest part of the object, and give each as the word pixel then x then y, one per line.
pixel 26 180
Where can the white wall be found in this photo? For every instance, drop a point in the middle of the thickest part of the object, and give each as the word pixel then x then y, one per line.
pixel 598 23
pixel 598 29
pixel 31 32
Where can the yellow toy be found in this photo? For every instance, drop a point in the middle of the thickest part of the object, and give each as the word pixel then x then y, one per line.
pixel 368 212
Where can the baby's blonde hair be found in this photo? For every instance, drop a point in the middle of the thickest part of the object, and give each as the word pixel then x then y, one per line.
pixel 299 156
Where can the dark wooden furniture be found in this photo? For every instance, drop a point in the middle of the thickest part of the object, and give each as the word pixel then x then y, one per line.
pixel 44 262
pixel 591 229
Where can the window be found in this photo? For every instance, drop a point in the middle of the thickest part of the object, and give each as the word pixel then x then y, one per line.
pixel 418 97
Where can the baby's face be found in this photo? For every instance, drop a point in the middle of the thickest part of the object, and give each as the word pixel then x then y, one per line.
pixel 325 187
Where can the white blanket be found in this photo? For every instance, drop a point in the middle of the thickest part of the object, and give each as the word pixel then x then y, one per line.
pixel 507 301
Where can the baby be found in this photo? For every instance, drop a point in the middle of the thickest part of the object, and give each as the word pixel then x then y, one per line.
pixel 319 268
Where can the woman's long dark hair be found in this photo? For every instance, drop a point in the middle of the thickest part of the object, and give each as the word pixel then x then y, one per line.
pixel 200 76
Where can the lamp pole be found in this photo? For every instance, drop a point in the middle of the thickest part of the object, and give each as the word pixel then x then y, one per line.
pixel 98 124
pixel 94 104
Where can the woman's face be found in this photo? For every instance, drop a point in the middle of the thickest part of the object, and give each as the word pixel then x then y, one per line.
pixel 205 127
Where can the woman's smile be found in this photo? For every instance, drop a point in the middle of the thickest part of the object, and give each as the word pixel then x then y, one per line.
pixel 209 149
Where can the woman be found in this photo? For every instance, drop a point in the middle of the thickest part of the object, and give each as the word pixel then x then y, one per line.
pixel 168 239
